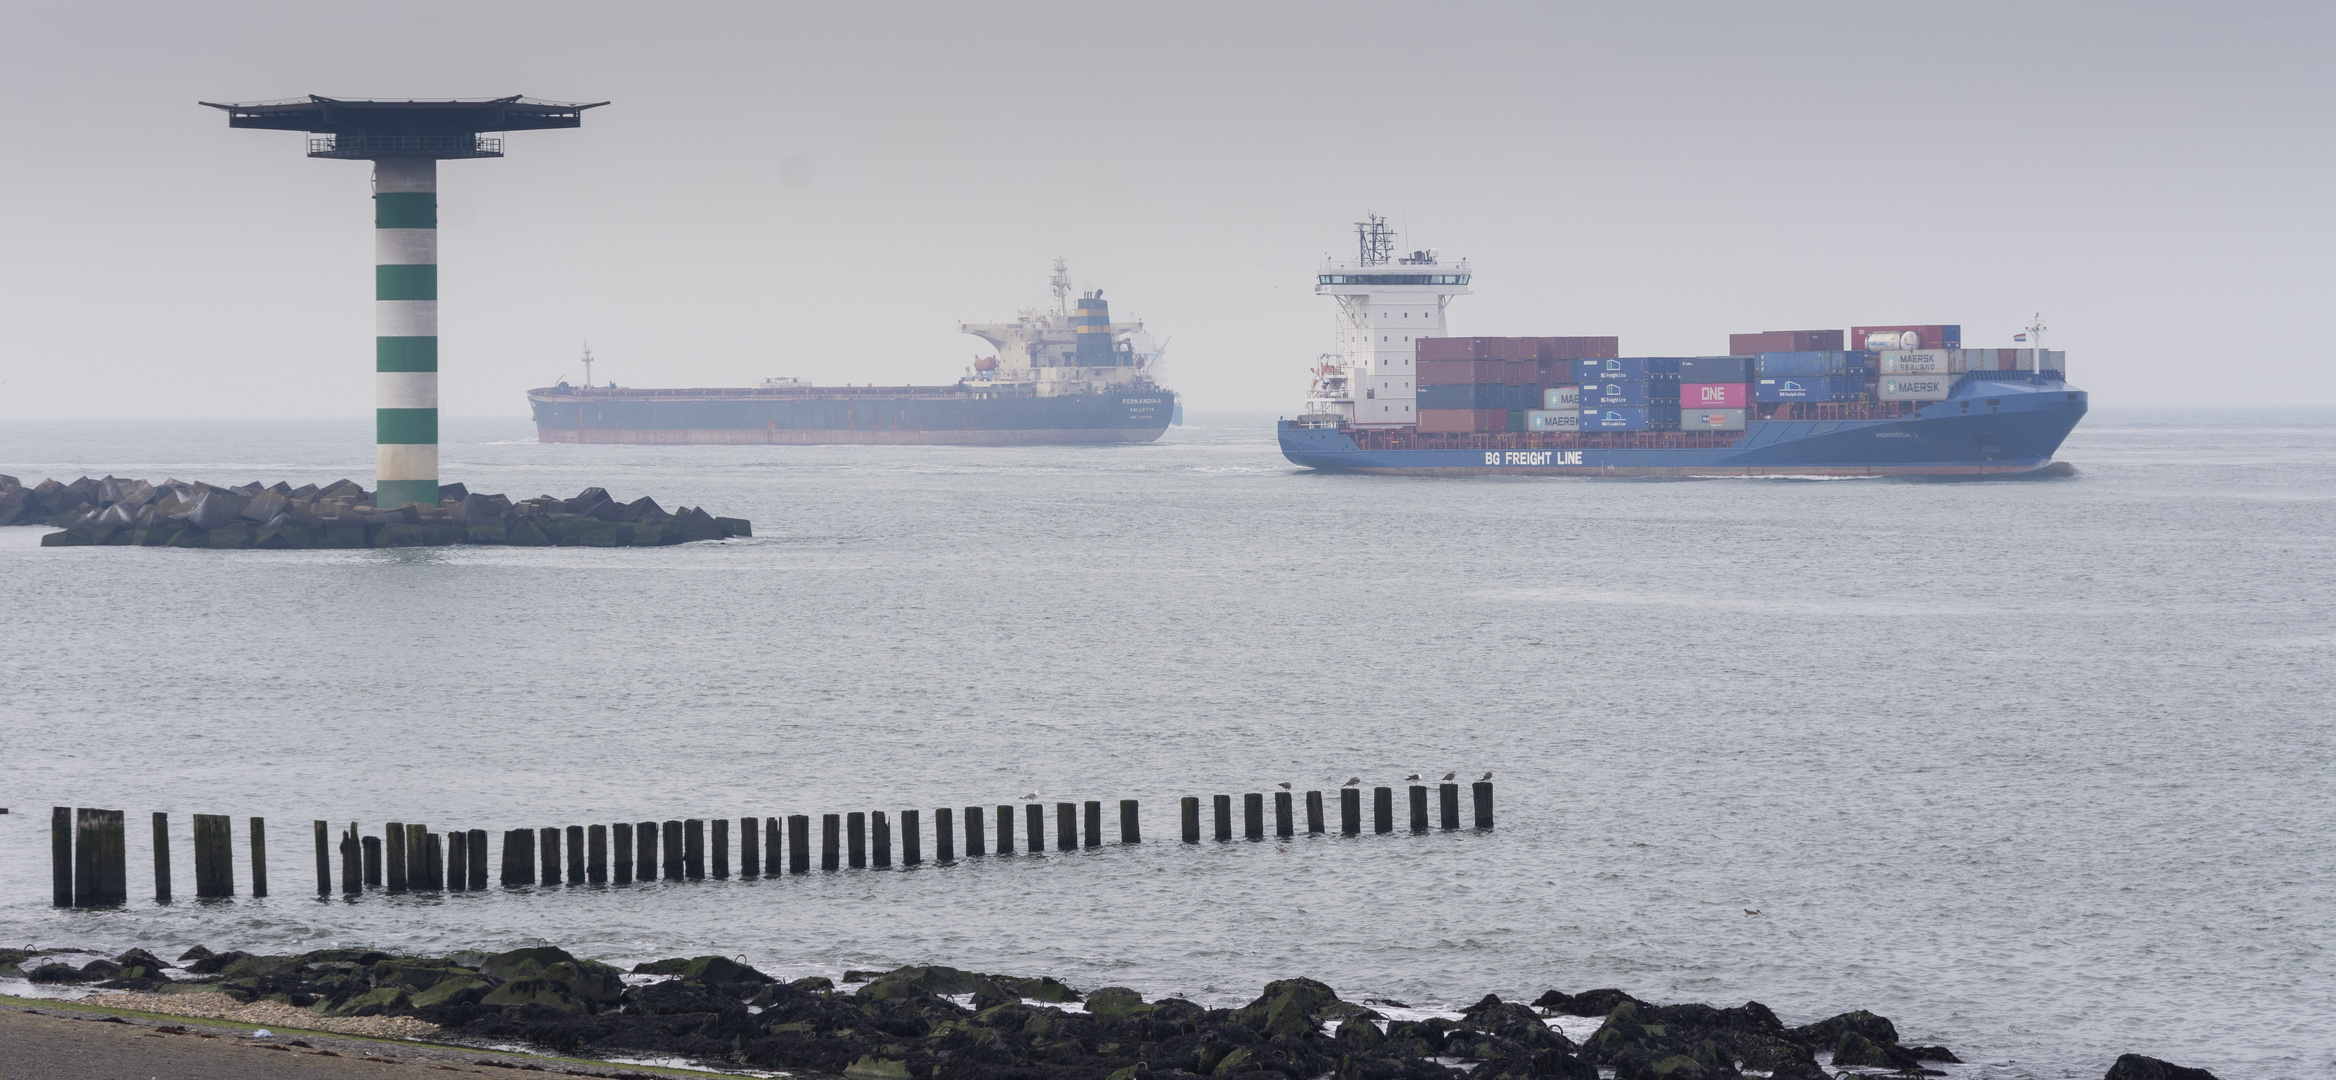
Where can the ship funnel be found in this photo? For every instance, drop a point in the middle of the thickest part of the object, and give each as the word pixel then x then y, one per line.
pixel 1093 325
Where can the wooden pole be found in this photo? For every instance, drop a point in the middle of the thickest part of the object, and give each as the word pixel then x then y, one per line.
pixel 772 827
pixel 1419 808
pixel 1281 814
pixel 352 862
pixel 162 858
pixel 1034 828
pixel 973 839
pixel 214 856
pixel 1223 805
pixel 944 845
pixel 621 839
pixel 61 856
pixel 393 855
pixel 1129 830
pixel 518 857
pixel 1189 809
pixel 457 860
pixel 1483 804
pixel 1005 830
pixel 1350 811
pixel 372 846
pixel 1066 826
pixel 259 857
pixel 101 866
pixel 1382 810
pixel 856 833
pixel 645 857
pixel 324 861
pixel 1448 801
pixel 1314 813
pixel 433 863
pixel 693 855
pixel 749 847
pixel 799 844
pixel 596 846
pixel 576 867
pixel 673 851
pixel 477 842
pixel 417 855
pixel 911 850
pixel 1253 815
pixel 880 838
pixel 830 838
pixel 548 850
pixel 1094 809
pixel 721 848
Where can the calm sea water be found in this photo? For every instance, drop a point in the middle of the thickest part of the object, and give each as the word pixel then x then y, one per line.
pixel 2043 770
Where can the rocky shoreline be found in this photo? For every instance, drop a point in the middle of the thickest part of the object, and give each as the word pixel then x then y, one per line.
pixel 120 512
pixel 931 1022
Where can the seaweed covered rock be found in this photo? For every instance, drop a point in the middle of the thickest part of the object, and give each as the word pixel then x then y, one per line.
pixel 2137 1067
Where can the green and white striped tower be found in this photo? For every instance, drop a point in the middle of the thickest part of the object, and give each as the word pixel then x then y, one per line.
pixel 405 140
pixel 405 325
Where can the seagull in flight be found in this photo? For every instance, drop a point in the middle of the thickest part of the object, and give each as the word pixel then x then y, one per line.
pixel 1413 778
pixel 1352 781
pixel 1451 774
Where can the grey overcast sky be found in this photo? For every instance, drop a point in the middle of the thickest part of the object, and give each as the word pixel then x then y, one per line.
pixel 826 190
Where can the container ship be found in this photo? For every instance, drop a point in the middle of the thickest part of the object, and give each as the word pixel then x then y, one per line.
pixel 1062 375
pixel 1401 396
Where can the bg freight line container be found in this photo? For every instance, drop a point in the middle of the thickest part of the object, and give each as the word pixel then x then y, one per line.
pixel 1630 419
pixel 1715 369
pixel 1602 394
pixel 1772 364
pixel 1810 388
pixel 1626 369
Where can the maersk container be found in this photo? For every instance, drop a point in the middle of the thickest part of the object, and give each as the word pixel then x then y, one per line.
pixel 1916 387
pixel 1922 361
pixel 1478 396
pixel 1810 388
pixel 1601 394
pixel 1715 369
pixel 1812 363
pixel 1624 418
pixel 1626 369
pixel 1731 395
pixel 1712 419
pixel 1553 420
pixel 1561 397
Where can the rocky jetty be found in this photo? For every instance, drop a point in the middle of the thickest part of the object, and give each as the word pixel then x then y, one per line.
pixel 135 513
pixel 924 1023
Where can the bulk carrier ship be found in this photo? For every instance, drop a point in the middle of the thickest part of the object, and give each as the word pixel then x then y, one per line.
pixel 1066 375
pixel 1402 397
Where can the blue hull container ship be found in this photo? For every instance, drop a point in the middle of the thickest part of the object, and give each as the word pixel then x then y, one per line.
pixel 1402 397
pixel 1067 375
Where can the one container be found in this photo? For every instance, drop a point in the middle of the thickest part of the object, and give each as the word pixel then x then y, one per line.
pixel 1715 369
pixel 1601 394
pixel 1810 388
pixel 1463 420
pixel 1626 369
pixel 1922 362
pixel 1625 418
pixel 1561 397
pixel 1479 396
pixel 1733 395
pixel 1553 420
pixel 1916 387
pixel 1712 419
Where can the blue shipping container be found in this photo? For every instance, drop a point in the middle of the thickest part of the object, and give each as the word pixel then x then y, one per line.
pixel 1810 388
pixel 1715 369
pixel 1629 393
pixel 1626 369
pixel 1814 363
pixel 1624 418
pixel 1480 396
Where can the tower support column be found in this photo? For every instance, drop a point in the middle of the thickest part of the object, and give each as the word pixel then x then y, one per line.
pixel 405 318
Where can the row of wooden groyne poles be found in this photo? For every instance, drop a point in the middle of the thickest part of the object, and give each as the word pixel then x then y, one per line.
pixel 90 858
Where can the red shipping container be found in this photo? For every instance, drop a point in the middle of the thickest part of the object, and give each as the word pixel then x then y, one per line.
pixel 1726 395
pixel 1784 341
pixel 1579 348
pixel 1473 373
pixel 1463 420
pixel 1516 348
pixel 1446 348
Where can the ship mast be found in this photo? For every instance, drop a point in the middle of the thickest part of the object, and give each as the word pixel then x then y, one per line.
pixel 2036 338
pixel 587 365
pixel 1061 281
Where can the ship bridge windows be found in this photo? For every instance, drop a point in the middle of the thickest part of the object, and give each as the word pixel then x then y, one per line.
pixel 1392 279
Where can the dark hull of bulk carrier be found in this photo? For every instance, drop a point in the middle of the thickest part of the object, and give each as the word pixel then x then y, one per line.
pixel 922 415
pixel 2006 423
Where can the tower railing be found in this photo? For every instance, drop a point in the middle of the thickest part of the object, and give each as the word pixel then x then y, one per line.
pixel 437 146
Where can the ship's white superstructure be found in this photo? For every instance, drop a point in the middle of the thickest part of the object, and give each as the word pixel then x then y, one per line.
pixel 1039 352
pixel 1385 304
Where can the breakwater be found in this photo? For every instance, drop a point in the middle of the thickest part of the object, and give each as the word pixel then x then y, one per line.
pixel 90 859
pixel 115 511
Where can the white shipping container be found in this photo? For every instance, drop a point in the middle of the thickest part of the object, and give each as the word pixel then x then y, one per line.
pixel 1918 362
pixel 1916 387
pixel 1553 419
pixel 1712 419
pixel 2056 360
pixel 1561 397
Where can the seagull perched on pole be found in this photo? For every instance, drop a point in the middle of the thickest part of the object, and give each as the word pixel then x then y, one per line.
pixel 1451 774
pixel 1412 779
pixel 1487 776
pixel 1352 781
pixel 1285 785
pixel 1033 796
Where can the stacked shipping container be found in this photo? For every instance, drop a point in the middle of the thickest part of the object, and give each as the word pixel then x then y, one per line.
pixel 1497 384
pixel 1715 392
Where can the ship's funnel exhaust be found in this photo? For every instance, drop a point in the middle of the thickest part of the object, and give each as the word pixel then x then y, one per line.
pixel 1093 325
